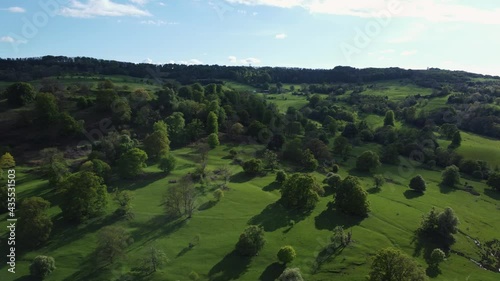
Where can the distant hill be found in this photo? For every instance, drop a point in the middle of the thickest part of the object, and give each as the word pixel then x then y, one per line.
pixel 28 69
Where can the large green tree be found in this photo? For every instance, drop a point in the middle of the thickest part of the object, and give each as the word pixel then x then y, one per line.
pixel 176 128
pixel 34 225
pixel 341 147
pixel 393 265
pixel 158 142
pixel 253 167
pixel 54 165
pixel 494 180
pixel 440 225
pixel 301 191
pixel 19 94
pixel 112 243
pixel 167 163
pixel 351 198
pixel 456 141
pixel 418 183
pixel 46 109
pixel 132 162
pixel 450 176
pixel 309 163
pixel 84 196
pixel 251 241
pixel 212 123
pixel 98 167
pixel 368 161
pixel 213 140
pixel 389 118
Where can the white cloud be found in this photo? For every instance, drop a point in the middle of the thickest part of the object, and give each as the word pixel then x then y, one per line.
pixel 158 22
pixel 148 60
pixel 408 52
pixel 388 51
pixel 432 10
pixel 7 39
pixel 161 3
pixel 139 2
pixel 186 62
pixel 250 61
pixel 281 36
pixel 10 39
pixel 15 10
pixel 93 8
pixel 232 59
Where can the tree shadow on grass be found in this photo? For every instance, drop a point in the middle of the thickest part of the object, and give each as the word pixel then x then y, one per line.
pixel 358 173
pixel 29 177
pixel 90 269
pixel 373 190
pixel 330 218
pixel 184 251
pixel 492 193
pixel 240 177
pixel 446 189
pixel 231 267
pixel 141 181
pixel 25 278
pixel 276 216
pixel 64 232
pixel 158 226
pixel 426 242
pixel 272 272
pixel 272 186
pixel 411 194
pixel 207 205
pixel 432 271
pixel 327 254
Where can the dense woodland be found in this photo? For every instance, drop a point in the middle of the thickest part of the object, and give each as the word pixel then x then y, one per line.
pixel 73 124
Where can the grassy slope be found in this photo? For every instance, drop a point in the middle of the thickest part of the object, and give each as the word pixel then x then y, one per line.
pixel 395 215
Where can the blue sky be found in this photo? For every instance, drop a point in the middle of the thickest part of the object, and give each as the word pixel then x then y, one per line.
pixel 449 34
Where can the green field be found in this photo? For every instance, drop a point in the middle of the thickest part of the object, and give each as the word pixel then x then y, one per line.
pixel 395 214
pixel 391 223
pixel 395 90
pixel 480 148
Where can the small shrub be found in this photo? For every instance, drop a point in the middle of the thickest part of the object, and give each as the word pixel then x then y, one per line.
pixel 253 167
pixel 218 194
pixel 437 256
pixel 281 177
pixel 194 276
pixel 335 168
pixel 286 254
pixel 42 266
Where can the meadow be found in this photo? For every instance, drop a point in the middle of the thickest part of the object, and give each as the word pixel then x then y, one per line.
pixel 395 214
pixel 392 222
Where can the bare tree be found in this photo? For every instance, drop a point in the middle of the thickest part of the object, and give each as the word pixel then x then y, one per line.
pixel 153 259
pixel 180 198
pixel 225 172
